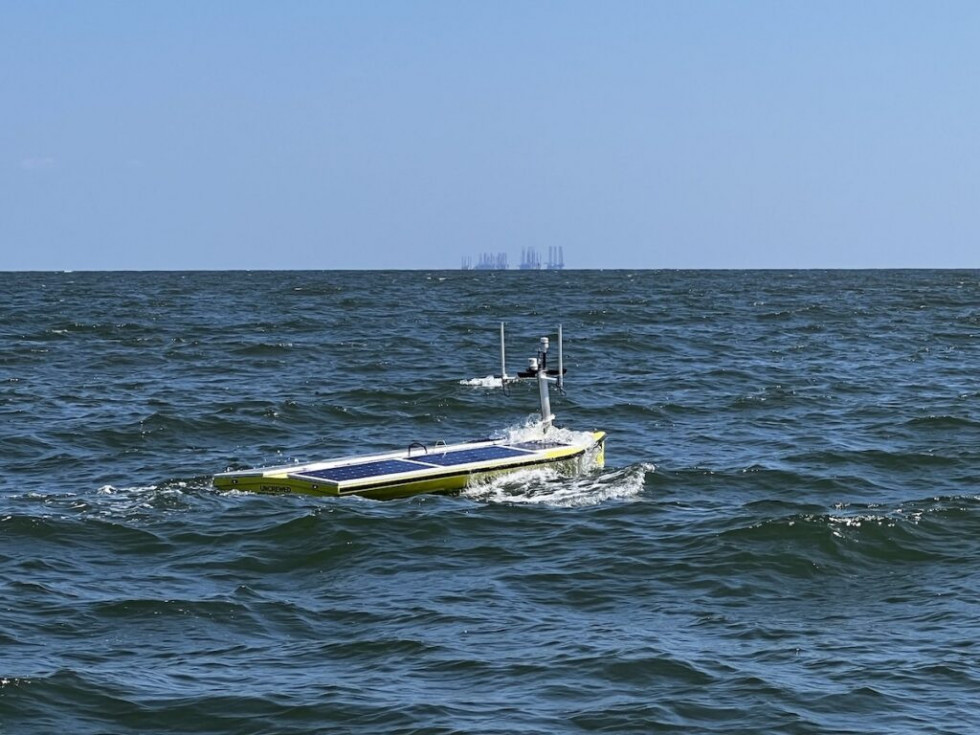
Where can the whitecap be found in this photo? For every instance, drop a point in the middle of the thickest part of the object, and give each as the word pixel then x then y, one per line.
pixel 579 486
pixel 489 381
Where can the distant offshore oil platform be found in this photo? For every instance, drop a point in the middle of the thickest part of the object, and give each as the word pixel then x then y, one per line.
pixel 530 260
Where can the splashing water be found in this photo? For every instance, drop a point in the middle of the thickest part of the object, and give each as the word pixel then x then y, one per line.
pixel 532 430
pixel 552 487
pixel 572 484
pixel 575 484
pixel 490 381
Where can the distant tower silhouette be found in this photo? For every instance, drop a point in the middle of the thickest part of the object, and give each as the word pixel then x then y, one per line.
pixel 556 258
pixel 530 260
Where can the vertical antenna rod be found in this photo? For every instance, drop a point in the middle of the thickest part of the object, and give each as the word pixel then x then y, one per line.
pixel 503 358
pixel 561 366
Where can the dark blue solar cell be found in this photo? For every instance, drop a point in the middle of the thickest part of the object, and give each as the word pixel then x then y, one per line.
pixel 479 454
pixel 364 469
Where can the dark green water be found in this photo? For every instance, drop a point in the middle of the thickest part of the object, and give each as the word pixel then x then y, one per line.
pixel 785 538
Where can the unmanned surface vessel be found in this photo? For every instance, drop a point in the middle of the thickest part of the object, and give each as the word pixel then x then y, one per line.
pixel 439 468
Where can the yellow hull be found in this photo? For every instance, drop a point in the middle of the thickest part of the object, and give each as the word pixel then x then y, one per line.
pixel 442 469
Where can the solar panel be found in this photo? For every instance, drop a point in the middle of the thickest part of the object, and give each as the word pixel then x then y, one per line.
pixel 478 454
pixel 364 469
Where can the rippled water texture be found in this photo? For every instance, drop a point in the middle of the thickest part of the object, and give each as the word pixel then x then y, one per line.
pixel 785 537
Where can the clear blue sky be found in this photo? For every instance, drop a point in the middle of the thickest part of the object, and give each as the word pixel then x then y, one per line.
pixel 369 134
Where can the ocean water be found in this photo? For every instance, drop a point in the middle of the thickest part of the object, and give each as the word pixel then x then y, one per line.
pixel 785 537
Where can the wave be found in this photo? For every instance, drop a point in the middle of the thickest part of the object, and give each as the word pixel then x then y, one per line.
pixel 852 537
pixel 940 421
pixel 550 487
pixel 490 381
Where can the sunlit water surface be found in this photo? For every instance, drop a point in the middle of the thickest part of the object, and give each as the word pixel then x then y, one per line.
pixel 785 537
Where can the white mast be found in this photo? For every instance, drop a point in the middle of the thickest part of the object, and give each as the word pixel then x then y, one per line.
pixel 537 369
